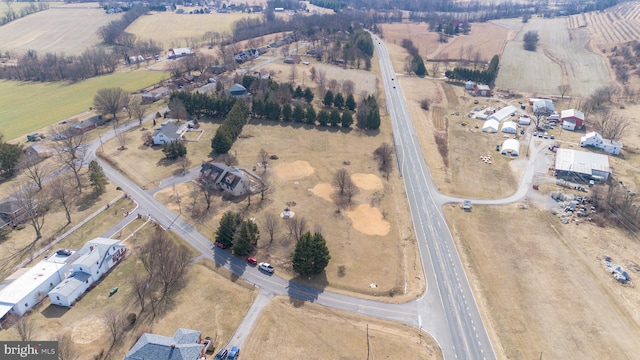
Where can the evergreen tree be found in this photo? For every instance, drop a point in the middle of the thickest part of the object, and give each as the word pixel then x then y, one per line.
pixel 221 142
pixel 338 100
pixel 347 119
pixel 227 229
pixel 308 95
pixel 418 66
pixel 310 116
pixel 311 255
pixel 334 117
pixel 297 94
pixel 350 103
pixel 245 238
pixel 174 149
pixel 323 117
pixel 286 112
pixel 97 177
pixel 10 155
pixel 298 113
pixel 328 99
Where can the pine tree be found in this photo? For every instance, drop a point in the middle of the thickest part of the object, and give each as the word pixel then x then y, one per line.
pixel 298 113
pixel 328 99
pixel 323 117
pixel 347 119
pixel 97 178
pixel 350 103
pixel 311 255
pixel 221 142
pixel 308 95
pixel 286 112
pixel 310 116
pixel 228 225
pixel 334 117
pixel 245 238
pixel 338 100
pixel 298 93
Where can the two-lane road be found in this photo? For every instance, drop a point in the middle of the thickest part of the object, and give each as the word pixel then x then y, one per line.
pixel 452 312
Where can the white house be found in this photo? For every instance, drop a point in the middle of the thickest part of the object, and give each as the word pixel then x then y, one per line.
pixel 168 132
pixel 29 288
pixel 226 178
pixel 503 114
pixel 510 147
pixel 179 52
pixel 596 140
pixel 490 126
pixel 509 127
pixel 95 259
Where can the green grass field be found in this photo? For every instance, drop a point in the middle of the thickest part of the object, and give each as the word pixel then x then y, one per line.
pixel 27 107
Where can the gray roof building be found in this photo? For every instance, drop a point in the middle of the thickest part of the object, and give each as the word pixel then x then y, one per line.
pixel 185 344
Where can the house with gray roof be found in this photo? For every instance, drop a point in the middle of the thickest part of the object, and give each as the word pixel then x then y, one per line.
pixel 168 132
pixel 90 264
pixel 185 344
pixel 225 178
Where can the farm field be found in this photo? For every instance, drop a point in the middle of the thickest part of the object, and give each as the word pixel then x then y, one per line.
pixel 31 106
pixel 58 30
pixel 616 25
pixel 177 30
pixel 561 58
pixel 287 329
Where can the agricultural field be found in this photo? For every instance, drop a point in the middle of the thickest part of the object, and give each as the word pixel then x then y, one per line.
pixel 616 25
pixel 562 57
pixel 180 30
pixel 61 30
pixel 31 106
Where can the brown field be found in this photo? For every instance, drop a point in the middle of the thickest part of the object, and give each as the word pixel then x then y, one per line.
pixel 178 30
pixel 287 330
pixel 616 25
pixel 548 292
pixel 56 30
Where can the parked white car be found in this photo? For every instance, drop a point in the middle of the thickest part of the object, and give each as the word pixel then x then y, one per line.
pixel 266 267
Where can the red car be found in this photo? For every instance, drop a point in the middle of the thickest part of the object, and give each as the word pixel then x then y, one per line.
pixel 220 245
pixel 251 260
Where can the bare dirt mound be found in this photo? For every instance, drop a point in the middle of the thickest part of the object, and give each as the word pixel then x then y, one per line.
pixel 294 170
pixel 368 220
pixel 87 331
pixel 367 181
pixel 324 190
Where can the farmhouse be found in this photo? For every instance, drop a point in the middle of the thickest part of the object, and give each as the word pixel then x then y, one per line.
pixel 594 139
pixel 482 90
pixel 510 147
pixel 155 95
pixel 580 165
pixel 88 124
pixel 92 262
pixel 503 114
pixel 226 178
pixel 543 106
pixel 179 52
pixel 572 119
pixel 490 126
pixel 168 132
pixel 509 127
pixel 31 287
pixel 185 344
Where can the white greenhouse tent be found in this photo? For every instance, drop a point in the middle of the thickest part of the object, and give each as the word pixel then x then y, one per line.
pixel 524 120
pixel 510 147
pixel 490 126
pixel 503 114
pixel 509 127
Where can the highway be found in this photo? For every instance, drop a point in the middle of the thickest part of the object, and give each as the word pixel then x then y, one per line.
pixel 459 329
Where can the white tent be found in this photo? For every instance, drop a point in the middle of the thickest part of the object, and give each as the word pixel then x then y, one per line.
pixel 524 120
pixel 490 126
pixel 510 147
pixel 503 114
pixel 509 127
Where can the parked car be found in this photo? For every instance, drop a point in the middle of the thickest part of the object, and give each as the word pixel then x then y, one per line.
pixel 221 355
pixel 64 252
pixel 220 245
pixel 251 260
pixel 234 353
pixel 266 267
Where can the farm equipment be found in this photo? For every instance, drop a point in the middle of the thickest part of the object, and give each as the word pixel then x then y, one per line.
pixel 35 137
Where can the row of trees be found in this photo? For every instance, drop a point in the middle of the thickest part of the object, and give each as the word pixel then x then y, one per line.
pixel 487 76
pixel 112 33
pixel 238 234
pixel 230 128
pixel 10 14
pixel 212 106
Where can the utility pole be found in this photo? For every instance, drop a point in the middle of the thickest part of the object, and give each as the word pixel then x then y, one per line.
pixel 368 347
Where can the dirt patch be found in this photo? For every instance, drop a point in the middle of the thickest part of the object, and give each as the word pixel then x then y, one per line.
pixel 294 170
pixel 88 330
pixel 324 190
pixel 369 220
pixel 367 181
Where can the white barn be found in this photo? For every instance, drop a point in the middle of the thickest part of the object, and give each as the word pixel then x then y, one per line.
pixel 510 147
pixel 503 114
pixel 509 127
pixel 31 287
pixel 96 258
pixel 490 126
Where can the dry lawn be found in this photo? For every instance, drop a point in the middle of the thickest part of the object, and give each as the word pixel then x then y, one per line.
pixel 57 30
pixel 547 291
pixel 287 331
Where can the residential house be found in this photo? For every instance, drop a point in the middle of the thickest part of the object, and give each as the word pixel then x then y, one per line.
pixel 226 178
pixel 179 52
pixel 482 90
pixel 596 140
pixel 318 50
pixel 155 95
pixel 86 125
pixel 27 289
pixel 572 119
pixel 293 59
pixel 247 55
pixel 168 132
pixel 90 263
pixel 12 212
pixel 185 344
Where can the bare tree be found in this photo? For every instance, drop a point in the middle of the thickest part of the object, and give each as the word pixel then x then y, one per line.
pixel 322 79
pixel 271 225
pixel 184 162
pixel 66 347
pixel 72 151
pixel 563 89
pixel 140 284
pixel 435 68
pixel 138 109
pixel 610 125
pixel 297 226
pixel 540 114
pixel 177 109
pixel 384 155
pixel 348 87
pixel 176 68
pixel 35 168
pixel 293 74
pixel 115 322
pixel 350 190
pixel 62 190
pixel 334 86
pixel 208 189
pixel 34 204
pixel 340 180
pixel 263 157
pixel 110 101
pixel 122 138
pixel 313 74
pixel 227 159
pixel 25 327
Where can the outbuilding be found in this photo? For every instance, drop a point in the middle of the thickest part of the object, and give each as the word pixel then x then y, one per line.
pixel 503 114
pixel 490 126
pixel 544 107
pixel 524 120
pixel 572 119
pixel 581 165
pixel 510 147
pixel 237 90
pixel 509 127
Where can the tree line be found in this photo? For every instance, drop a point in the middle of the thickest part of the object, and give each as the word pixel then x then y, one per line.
pixel 10 14
pixel 416 64
pixel 487 76
pixel 230 128
pixel 112 33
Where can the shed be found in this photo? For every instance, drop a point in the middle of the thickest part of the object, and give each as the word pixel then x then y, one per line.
pixel 482 90
pixel 237 90
pixel 469 85
pixel 490 126
pixel 524 120
pixel 510 147
pixel 503 114
pixel 509 127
